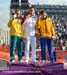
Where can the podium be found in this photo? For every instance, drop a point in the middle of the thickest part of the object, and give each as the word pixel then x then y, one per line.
pixel 32 68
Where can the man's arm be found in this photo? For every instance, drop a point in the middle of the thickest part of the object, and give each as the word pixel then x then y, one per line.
pixel 9 23
pixel 37 25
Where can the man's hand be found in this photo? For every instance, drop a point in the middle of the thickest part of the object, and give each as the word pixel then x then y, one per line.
pixel 24 37
pixel 54 38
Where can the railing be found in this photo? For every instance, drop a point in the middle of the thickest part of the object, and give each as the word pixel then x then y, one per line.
pixel 4 37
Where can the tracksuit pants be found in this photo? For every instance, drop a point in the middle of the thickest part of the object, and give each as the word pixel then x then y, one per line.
pixel 16 42
pixel 49 43
pixel 30 40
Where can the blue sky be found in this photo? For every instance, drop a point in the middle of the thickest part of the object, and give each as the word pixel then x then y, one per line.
pixel 4 8
pixel 4 13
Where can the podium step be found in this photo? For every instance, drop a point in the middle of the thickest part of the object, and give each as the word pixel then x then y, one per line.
pixel 35 69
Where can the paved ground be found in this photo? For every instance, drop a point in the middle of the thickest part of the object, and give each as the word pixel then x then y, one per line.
pixel 3 64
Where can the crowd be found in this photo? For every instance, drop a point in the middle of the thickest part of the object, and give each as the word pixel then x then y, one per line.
pixel 60 24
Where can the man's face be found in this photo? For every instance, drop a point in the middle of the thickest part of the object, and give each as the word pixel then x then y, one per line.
pixel 44 15
pixel 18 13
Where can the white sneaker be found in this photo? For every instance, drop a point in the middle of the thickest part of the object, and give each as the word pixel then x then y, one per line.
pixel 43 61
pixel 12 61
pixel 21 61
pixel 26 61
pixel 35 61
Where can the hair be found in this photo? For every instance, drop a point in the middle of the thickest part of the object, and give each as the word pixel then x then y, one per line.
pixel 32 6
pixel 42 11
pixel 17 10
pixel 27 13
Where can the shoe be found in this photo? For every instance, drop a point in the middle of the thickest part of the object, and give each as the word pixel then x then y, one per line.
pixel 47 61
pixel 35 61
pixel 42 61
pixel 52 61
pixel 26 61
pixel 12 61
pixel 20 61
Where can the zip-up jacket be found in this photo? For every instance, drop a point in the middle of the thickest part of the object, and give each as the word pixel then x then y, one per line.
pixel 45 28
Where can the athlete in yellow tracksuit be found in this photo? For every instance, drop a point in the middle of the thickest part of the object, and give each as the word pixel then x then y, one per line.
pixel 16 42
pixel 46 33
